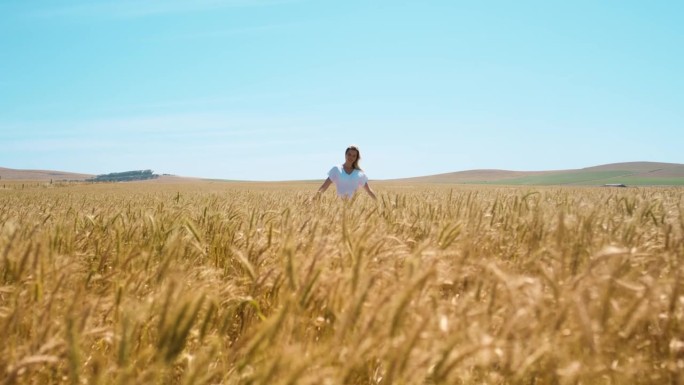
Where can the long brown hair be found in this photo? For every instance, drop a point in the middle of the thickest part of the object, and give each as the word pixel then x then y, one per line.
pixel 355 165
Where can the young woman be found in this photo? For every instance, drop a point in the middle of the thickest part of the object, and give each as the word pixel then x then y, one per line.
pixel 348 177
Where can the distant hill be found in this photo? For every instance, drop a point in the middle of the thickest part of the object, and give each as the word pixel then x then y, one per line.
pixel 629 173
pixel 10 174
pixel 13 174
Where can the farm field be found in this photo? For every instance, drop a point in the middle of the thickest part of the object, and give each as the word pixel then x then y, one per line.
pixel 254 283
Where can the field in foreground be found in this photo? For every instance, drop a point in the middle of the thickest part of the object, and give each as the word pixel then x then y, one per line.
pixel 217 283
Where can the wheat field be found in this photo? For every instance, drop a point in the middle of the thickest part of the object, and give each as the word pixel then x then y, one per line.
pixel 229 283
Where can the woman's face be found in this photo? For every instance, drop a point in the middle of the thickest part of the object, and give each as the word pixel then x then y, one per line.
pixel 351 156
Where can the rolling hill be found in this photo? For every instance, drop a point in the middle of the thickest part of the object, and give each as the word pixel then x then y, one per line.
pixel 628 173
pixel 40 175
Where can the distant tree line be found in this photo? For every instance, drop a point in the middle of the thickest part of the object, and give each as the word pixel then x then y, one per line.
pixel 124 176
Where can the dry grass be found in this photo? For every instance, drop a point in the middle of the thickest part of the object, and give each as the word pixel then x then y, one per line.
pixel 213 283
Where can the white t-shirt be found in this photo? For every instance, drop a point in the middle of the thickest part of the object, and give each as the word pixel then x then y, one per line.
pixel 347 184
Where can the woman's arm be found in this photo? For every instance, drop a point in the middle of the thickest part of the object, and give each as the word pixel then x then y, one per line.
pixel 323 187
pixel 369 191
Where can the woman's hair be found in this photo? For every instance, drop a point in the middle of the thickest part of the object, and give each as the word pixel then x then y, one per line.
pixel 358 157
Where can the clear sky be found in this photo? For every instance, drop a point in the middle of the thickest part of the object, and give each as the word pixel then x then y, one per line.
pixel 277 89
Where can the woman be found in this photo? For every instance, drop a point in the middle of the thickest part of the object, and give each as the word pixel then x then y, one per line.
pixel 347 177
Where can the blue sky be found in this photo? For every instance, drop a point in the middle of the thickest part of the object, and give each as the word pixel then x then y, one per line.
pixel 277 89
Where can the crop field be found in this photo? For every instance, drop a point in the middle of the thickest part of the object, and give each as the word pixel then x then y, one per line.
pixel 233 283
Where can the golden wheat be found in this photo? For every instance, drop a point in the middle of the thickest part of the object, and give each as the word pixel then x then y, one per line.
pixel 227 283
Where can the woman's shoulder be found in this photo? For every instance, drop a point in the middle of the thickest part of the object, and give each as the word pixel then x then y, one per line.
pixel 335 170
pixel 360 175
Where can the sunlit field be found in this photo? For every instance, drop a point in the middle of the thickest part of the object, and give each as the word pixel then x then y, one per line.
pixel 228 283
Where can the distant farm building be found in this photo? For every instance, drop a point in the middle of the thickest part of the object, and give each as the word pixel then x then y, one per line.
pixel 615 185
